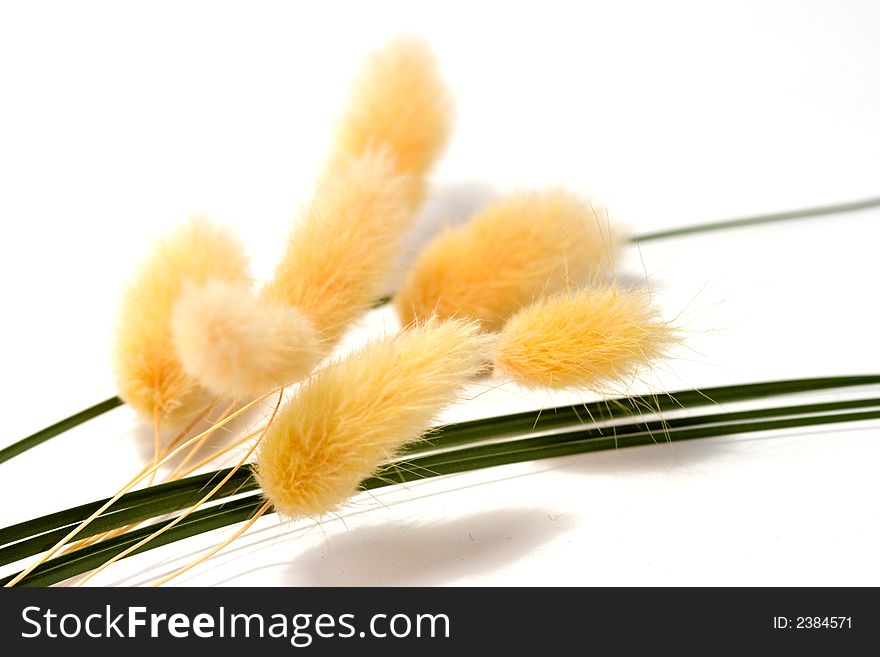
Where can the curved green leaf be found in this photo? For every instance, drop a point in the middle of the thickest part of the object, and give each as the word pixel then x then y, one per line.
pixel 58 428
pixel 33 536
pixel 460 460
pixel 839 208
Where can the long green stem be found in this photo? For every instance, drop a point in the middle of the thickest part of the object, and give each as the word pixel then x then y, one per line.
pixel 108 404
pixel 586 440
pixel 32 535
pixel 26 539
pixel 460 460
pixel 838 208
pixel 612 409
pixel 58 428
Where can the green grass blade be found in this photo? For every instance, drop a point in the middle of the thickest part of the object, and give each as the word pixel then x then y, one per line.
pixel 70 517
pixel 654 429
pixel 26 539
pixel 37 534
pixel 587 440
pixel 243 482
pixel 68 565
pixel 461 460
pixel 58 428
pixel 839 208
pixel 552 418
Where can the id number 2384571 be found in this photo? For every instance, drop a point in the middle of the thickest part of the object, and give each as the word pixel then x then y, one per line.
pixel 812 623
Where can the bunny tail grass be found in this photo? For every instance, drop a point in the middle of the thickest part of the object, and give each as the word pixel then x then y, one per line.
pixel 357 413
pixel 592 338
pixel 343 249
pixel 149 375
pixel 238 345
pixel 519 248
pixel 340 252
pixel 400 103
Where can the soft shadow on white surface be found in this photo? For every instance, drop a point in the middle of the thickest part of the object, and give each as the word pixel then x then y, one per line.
pixel 389 552
pixel 379 502
pixel 429 554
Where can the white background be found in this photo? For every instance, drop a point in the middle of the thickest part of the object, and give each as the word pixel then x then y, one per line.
pixel 117 119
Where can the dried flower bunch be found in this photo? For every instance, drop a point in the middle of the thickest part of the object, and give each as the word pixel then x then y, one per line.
pixel 524 291
pixel 525 288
